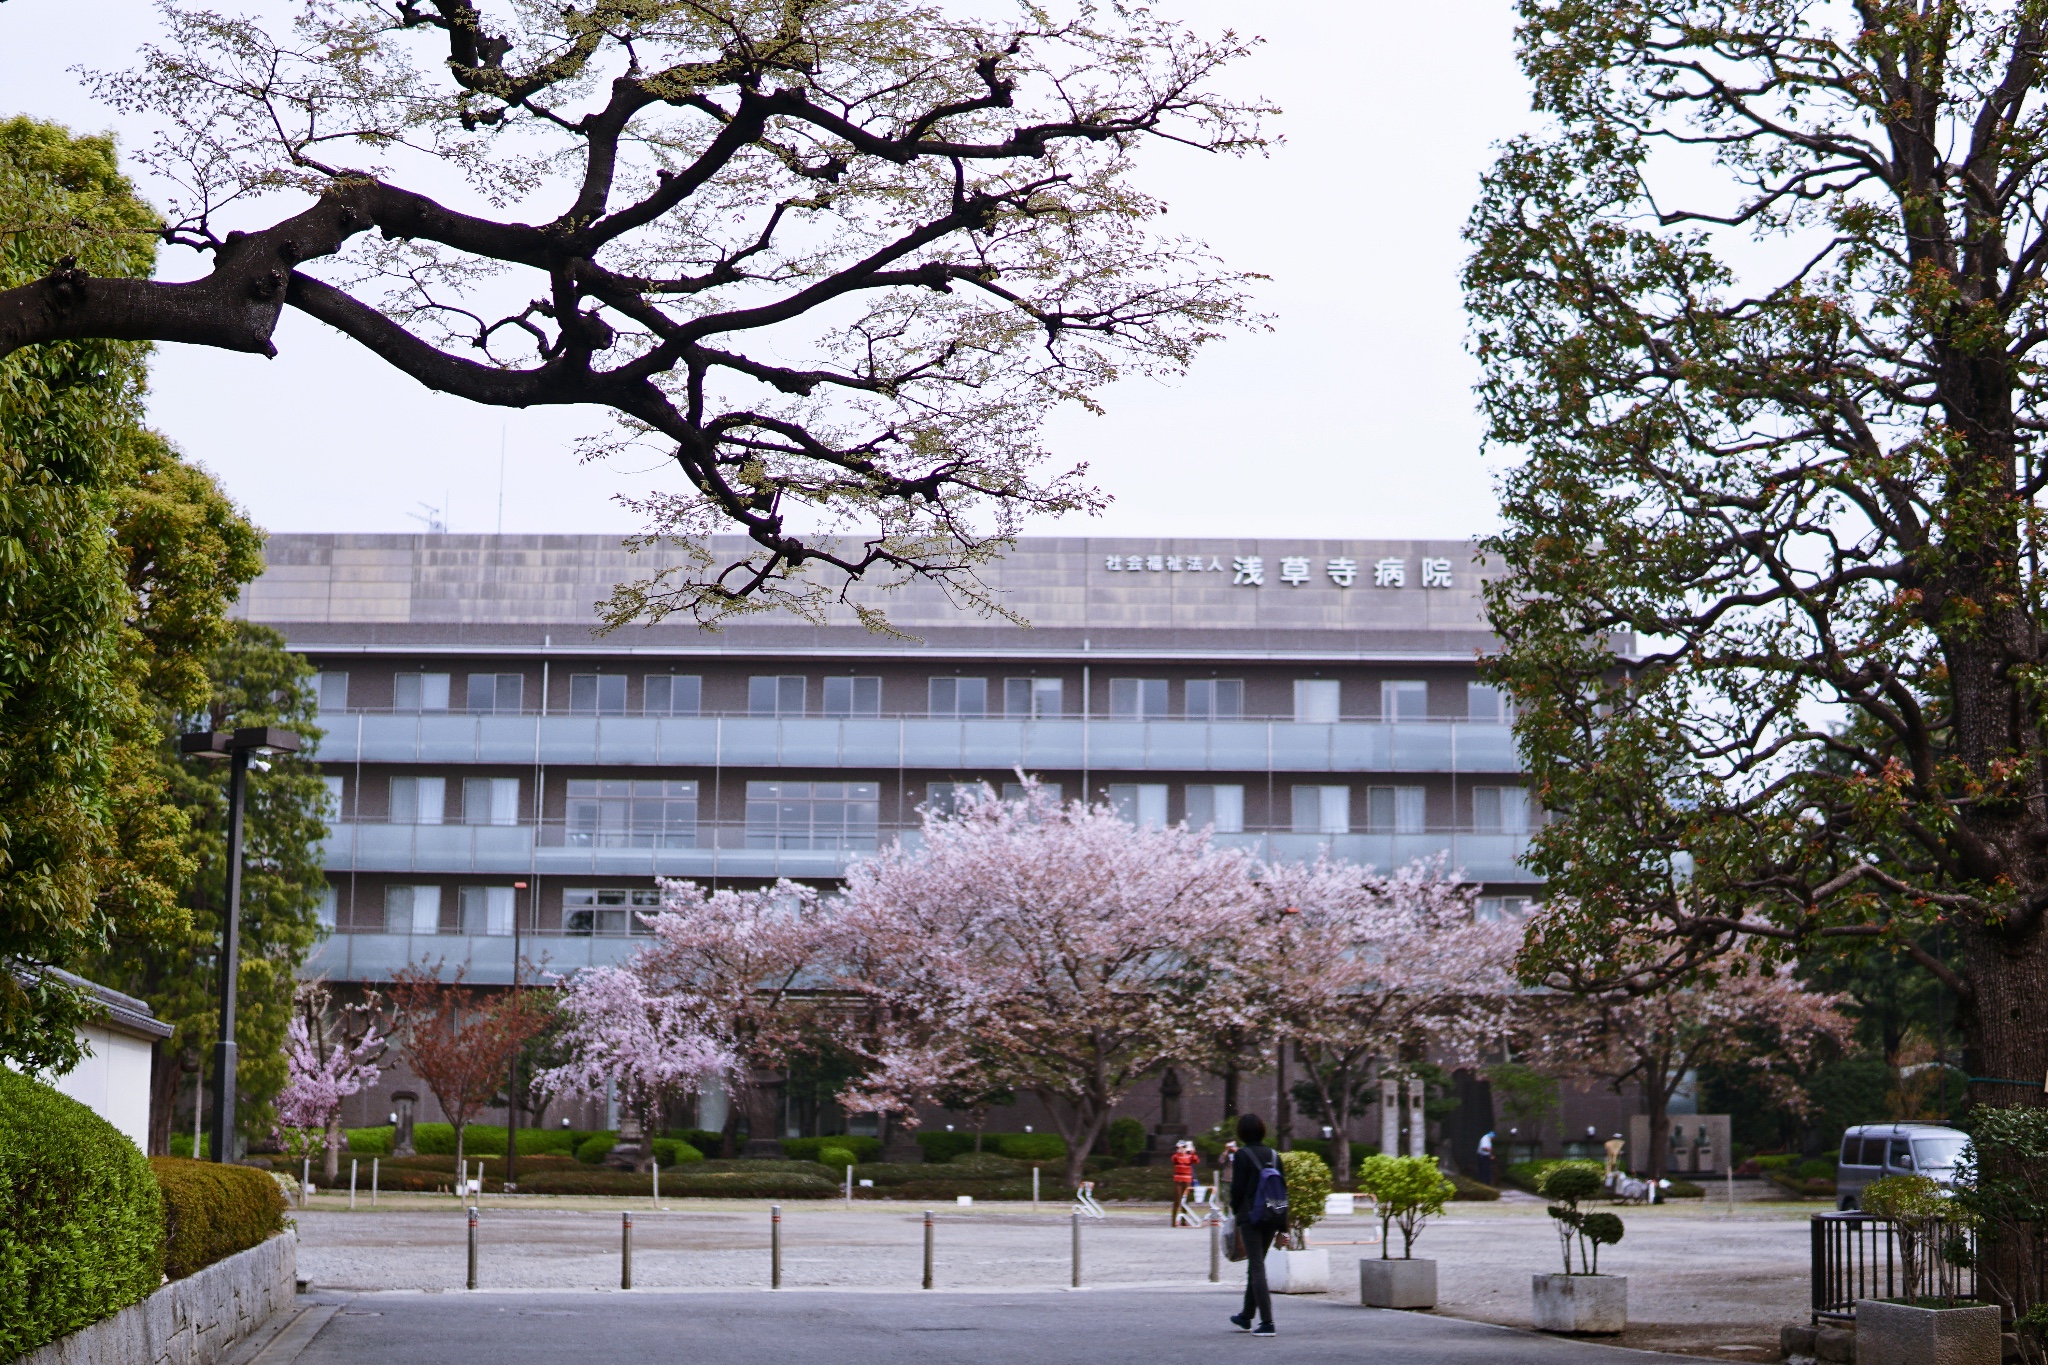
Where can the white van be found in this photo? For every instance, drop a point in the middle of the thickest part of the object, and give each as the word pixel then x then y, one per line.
pixel 1871 1151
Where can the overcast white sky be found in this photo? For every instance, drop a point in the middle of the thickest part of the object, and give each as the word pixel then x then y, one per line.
pixel 1353 417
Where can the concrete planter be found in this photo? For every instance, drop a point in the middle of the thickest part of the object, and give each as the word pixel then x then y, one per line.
pixel 1396 1284
pixel 1899 1334
pixel 1298 1272
pixel 1580 1305
pixel 193 1321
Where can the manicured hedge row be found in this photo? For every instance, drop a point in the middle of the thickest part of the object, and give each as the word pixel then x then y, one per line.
pixel 81 1222
pixel 213 1211
pixel 942 1146
pixel 809 1149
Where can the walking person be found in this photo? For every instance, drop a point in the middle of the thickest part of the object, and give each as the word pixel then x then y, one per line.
pixel 1258 1203
pixel 1486 1158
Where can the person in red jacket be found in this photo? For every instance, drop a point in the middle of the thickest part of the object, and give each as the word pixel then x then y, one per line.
pixel 1184 1159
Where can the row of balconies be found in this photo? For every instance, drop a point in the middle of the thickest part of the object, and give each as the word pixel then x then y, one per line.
pixel 950 745
pixel 553 849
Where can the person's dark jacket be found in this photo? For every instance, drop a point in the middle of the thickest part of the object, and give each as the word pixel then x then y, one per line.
pixel 1245 1165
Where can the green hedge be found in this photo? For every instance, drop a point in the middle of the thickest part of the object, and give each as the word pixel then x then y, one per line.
pixel 1038 1147
pixel 863 1148
pixel 479 1139
pixel 81 1219
pixel 212 1211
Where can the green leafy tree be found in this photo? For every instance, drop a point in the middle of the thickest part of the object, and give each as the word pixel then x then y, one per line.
pixel 88 846
pixel 1567 1185
pixel 251 679
pixel 1308 1188
pixel 1408 1191
pixel 1762 309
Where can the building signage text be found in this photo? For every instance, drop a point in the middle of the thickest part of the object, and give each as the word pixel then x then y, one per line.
pixel 1250 571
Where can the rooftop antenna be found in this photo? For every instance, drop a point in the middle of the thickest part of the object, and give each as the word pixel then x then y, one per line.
pixel 434 519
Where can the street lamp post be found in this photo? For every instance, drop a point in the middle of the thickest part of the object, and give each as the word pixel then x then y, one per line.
pixel 238 747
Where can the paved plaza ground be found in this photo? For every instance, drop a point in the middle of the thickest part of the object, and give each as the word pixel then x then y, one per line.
pixel 1702 1280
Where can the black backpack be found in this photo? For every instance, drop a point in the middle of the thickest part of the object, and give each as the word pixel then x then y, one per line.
pixel 1269 1196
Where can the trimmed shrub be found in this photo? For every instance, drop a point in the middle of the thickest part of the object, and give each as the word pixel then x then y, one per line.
pixel 1037 1147
pixel 811 1148
pixel 943 1146
pixel 1126 1138
pixel 987 1166
pixel 212 1211
pixel 438 1139
pixel 1308 1186
pixel 837 1159
pixel 596 1148
pixel 1468 1188
pixel 674 1152
pixel 81 1219
pixel 1817 1168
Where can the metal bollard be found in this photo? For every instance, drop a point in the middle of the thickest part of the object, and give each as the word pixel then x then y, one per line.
pixel 655 1166
pixel 775 1246
pixel 373 1180
pixel 351 1184
pixel 1215 1249
pixel 927 1248
pixel 1077 1248
pixel 626 1251
pixel 305 1180
pixel 1034 1189
pixel 472 1248
pixel 849 1187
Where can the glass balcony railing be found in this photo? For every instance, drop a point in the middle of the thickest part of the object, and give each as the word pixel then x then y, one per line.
pixel 923 742
pixel 705 849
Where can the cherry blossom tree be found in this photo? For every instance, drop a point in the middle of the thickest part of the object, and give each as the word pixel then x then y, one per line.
pixel 748 965
pixel 330 1054
pixel 1052 950
pixel 1352 964
pixel 1745 1012
pixel 613 1031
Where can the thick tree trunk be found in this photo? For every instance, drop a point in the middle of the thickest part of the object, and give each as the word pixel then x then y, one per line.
pixel 330 1159
pixel 2005 1028
pixel 1657 1101
pixel 1230 1083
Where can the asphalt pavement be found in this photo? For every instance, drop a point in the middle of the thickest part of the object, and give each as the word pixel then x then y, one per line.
pixel 753 1327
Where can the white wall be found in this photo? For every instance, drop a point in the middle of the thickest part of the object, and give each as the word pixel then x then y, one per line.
pixel 113 1082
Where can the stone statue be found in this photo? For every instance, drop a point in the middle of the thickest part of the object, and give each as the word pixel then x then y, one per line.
pixel 401 1135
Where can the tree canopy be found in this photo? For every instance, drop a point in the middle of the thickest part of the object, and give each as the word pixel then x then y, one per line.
pixel 833 258
pixel 1761 313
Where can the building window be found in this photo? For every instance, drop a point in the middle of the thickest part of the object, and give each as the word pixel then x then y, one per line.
pixel 496 692
pixel 1215 699
pixel 1495 908
pixel 1500 810
pixel 328 911
pixel 490 800
pixel 1322 810
pixel 1032 699
pixel 672 694
pixel 412 909
pixel 597 694
pixel 334 795
pixel 963 697
pixel 418 800
pixel 813 815
pixel 1217 807
pixel 845 697
pixel 617 813
pixel 486 911
pixel 1316 700
pixel 330 690
pixel 1488 704
pixel 1137 698
pixel 419 692
pixel 607 910
pixel 1404 701
pixel 1140 803
pixel 1393 810
pixel 1014 791
pixel 947 798
pixel 780 696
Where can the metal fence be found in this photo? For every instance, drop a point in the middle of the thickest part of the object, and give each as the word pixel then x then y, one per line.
pixel 1857 1256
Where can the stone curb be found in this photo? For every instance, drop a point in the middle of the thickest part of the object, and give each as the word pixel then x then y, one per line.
pixel 193 1321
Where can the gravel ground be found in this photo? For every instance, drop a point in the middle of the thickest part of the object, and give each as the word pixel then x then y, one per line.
pixel 1701 1279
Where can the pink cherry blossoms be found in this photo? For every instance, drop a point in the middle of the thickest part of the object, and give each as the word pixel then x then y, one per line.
pixel 328 1057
